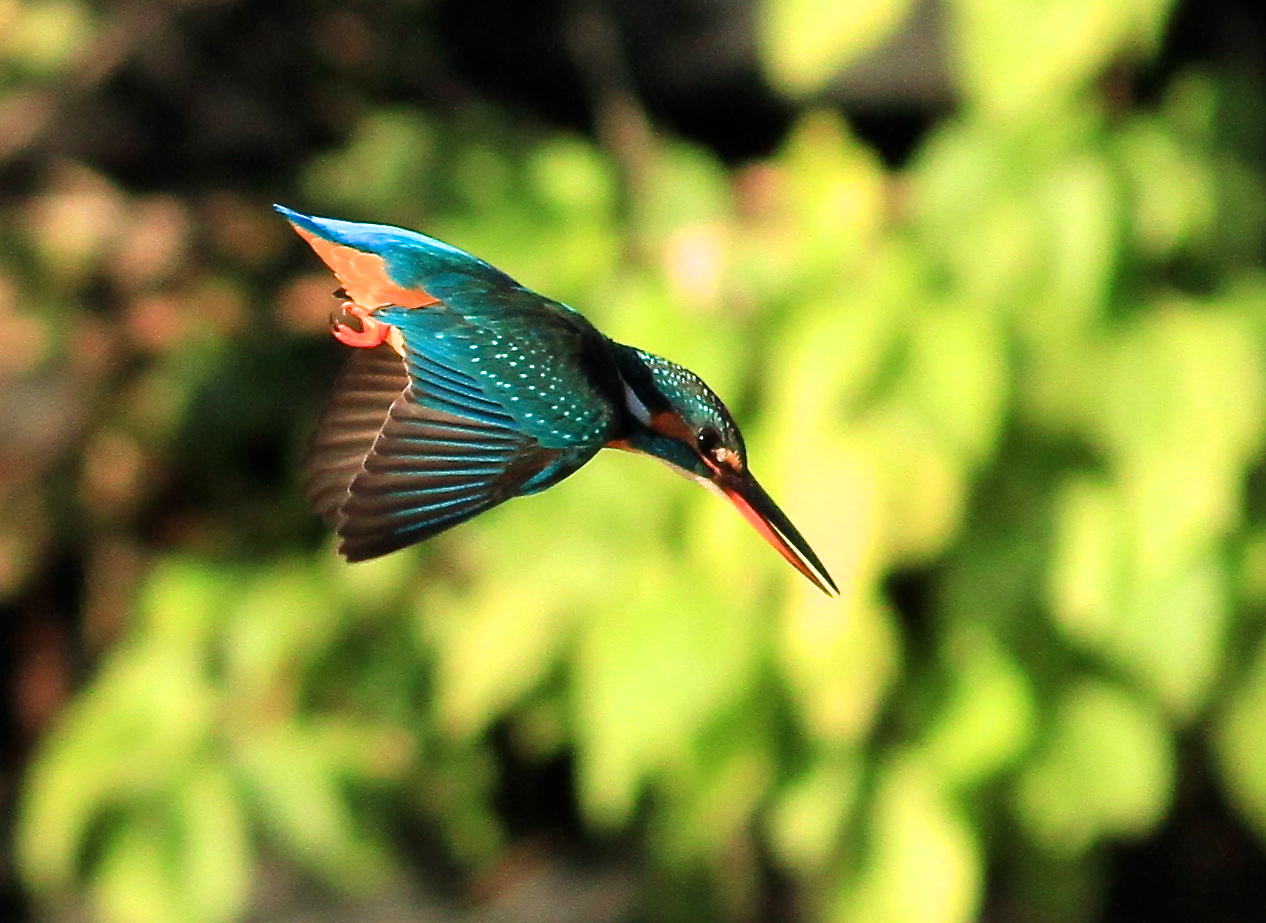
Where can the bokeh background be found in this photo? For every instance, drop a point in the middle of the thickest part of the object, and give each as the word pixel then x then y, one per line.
pixel 983 282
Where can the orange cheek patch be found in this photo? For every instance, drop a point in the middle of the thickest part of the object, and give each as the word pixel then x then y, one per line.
pixel 673 426
pixel 364 276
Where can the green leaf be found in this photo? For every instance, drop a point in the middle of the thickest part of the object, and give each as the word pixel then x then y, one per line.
pixel 135 882
pixel 688 186
pixel 1187 392
pixel 990 715
pixel 183 603
pixel 300 798
pixel 839 662
pixel 809 817
pixel 1240 744
pixel 284 618
pixel 957 376
pixel 1107 770
pixel 384 168
pixel 1168 626
pixel 1174 634
pixel 1088 571
pixel 573 177
pixel 144 720
pixel 498 640
pixel 1078 204
pixel 715 794
pixel 1172 190
pixel 835 200
pixel 43 36
pixel 924 486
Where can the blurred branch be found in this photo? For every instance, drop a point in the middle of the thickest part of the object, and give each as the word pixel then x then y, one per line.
pixel 619 118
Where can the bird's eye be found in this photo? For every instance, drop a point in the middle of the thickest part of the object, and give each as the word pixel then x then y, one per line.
pixel 709 441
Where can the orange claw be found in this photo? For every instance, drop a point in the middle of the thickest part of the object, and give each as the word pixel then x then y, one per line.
pixel 353 326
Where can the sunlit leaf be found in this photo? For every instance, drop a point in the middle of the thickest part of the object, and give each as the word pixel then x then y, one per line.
pixel 1080 209
pixel 573 177
pixel 835 197
pixel 804 43
pixel 146 718
pixel 919 835
pixel 839 660
pixel 1177 213
pixel 1174 634
pixel 215 857
pixel 182 604
pixel 1016 57
pixel 924 489
pixel 716 793
pixel 957 376
pixel 688 187
pixel 1088 565
pixel 1166 628
pixel 1187 389
pixel 654 666
pixel 495 644
pixel 43 36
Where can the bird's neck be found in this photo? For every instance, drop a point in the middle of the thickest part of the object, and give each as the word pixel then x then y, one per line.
pixel 637 398
pixel 647 417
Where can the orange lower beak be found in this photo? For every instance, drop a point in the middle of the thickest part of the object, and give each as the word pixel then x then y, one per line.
pixel 759 509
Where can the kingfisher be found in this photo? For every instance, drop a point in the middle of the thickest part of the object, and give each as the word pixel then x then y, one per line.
pixel 464 389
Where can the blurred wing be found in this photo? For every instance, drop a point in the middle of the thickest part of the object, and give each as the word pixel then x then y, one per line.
pixel 404 452
pixel 370 382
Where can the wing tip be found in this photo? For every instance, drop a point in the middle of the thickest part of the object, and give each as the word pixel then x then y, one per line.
pixel 353 555
pixel 299 220
pixel 358 549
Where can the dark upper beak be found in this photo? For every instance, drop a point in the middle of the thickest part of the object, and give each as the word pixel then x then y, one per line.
pixel 763 513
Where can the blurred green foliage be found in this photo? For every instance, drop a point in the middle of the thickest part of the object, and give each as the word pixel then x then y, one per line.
pixel 1028 366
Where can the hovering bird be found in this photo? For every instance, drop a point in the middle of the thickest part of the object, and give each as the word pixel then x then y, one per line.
pixel 466 389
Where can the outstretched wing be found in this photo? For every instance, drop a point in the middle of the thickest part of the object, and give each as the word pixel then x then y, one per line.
pixel 370 381
pixel 405 451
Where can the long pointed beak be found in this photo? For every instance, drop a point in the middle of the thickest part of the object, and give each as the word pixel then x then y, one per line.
pixel 763 513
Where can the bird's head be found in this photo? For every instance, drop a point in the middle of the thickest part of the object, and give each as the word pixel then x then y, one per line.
pixel 680 420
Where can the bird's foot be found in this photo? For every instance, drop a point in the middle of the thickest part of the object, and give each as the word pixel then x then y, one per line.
pixel 352 325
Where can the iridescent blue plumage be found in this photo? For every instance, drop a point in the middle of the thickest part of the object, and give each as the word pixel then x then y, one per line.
pixel 412 259
pixel 471 389
pixel 516 365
